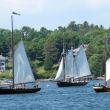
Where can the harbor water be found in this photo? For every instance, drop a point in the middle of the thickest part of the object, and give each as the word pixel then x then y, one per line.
pixel 52 97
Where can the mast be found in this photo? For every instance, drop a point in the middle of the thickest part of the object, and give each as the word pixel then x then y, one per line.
pixel 12 44
pixel 63 55
pixel 76 67
pixel 105 54
pixel 12 47
pixel 75 62
pixel 71 45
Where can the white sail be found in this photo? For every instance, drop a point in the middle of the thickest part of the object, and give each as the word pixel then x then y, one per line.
pixel 75 67
pixel 108 70
pixel 82 63
pixel 60 72
pixel 22 69
pixel 70 67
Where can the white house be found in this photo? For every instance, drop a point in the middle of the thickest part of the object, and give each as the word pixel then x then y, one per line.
pixel 2 63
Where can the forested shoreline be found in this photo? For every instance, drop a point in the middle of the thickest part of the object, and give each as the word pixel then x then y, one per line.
pixel 44 47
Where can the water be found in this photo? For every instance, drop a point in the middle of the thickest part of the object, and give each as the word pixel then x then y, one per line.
pixel 52 97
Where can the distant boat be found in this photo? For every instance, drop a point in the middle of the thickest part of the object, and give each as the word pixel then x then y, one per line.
pixel 105 87
pixel 22 74
pixel 73 69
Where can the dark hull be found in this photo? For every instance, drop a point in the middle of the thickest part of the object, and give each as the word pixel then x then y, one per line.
pixel 68 84
pixel 18 91
pixel 101 88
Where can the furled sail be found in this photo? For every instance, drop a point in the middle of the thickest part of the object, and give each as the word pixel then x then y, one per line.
pixel 22 69
pixel 108 70
pixel 60 72
pixel 82 63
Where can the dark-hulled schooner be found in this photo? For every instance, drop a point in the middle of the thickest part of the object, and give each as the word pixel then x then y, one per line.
pixel 73 69
pixel 22 73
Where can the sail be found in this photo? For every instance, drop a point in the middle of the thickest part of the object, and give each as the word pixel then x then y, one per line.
pixel 70 67
pixel 108 70
pixel 22 69
pixel 60 72
pixel 82 63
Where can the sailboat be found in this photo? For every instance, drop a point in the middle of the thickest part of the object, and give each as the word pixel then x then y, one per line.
pixel 73 69
pixel 22 74
pixel 105 87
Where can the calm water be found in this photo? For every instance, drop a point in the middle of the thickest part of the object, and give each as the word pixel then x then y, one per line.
pixel 52 97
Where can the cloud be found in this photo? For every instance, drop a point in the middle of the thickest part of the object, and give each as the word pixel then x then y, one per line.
pixel 46 7
pixel 51 13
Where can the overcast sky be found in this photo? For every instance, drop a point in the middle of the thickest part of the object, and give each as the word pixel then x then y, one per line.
pixel 54 13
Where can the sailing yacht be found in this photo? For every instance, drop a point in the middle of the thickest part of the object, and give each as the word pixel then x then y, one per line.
pixel 73 69
pixel 105 87
pixel 22 76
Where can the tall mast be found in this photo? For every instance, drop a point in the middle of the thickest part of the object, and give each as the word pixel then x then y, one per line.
pixel 71 45
pixel 12 46
pixel 105 58
pixel 75 62
pixel 63 54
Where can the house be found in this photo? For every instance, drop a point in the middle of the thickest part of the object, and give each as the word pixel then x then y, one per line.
pixel 2 63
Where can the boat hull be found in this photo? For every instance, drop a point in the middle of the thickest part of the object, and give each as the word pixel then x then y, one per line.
pixel 69 84
pixel 18 91
pixel 101 88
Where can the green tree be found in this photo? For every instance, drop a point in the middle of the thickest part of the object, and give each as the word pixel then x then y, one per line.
pixel 50 54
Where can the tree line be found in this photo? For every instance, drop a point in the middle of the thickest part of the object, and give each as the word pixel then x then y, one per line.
pixel 45 46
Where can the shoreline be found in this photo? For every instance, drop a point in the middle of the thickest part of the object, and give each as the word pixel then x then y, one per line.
pixel 44 80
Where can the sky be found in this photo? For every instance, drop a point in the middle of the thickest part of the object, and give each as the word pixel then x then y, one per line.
pixel 54 13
